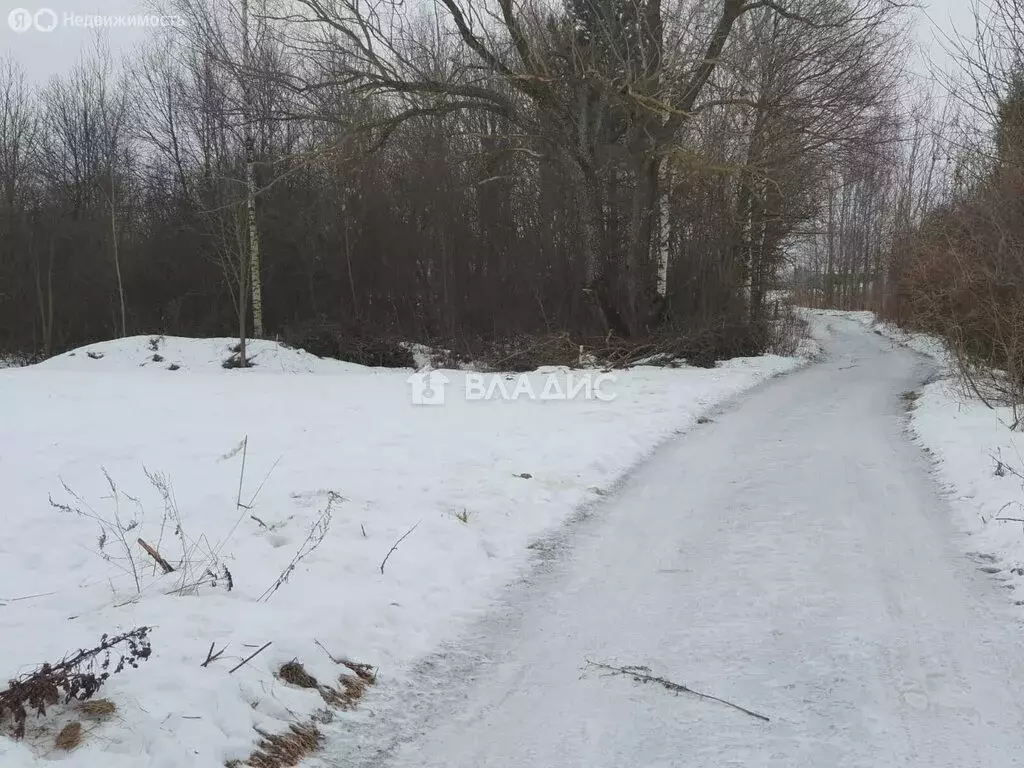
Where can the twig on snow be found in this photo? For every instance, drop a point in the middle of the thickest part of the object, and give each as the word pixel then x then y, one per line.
pixel 5 600
pixel 395 546
pixel 250 657
pixel 211 656
pixel 643 675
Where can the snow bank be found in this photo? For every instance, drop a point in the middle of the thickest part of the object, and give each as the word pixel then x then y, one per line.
pixel 976 455
pixel 175 353
pixel 475 481
pixel 919 342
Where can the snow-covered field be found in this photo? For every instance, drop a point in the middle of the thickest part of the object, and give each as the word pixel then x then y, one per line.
pixel 976 456
pixel 339 465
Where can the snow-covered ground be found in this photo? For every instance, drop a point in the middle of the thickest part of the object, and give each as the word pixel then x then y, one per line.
pixel 338 466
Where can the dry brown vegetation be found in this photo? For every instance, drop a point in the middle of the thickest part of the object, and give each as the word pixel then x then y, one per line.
pixel 958 272
pixel 77 677
pixel 282 750
pixel 302 739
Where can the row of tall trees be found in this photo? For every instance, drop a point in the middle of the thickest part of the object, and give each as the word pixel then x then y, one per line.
pixel 468 168
pixel 958 272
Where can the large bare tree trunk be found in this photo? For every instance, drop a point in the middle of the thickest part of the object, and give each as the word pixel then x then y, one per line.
pixel 595 250
pixel 641 243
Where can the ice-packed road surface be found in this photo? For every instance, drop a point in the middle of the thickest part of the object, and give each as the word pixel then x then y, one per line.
pixel 793 556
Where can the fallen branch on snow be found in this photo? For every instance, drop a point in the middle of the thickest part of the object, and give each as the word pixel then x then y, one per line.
pixel 211 656
pixel 643 675
pixel 249 658
pixel 164 565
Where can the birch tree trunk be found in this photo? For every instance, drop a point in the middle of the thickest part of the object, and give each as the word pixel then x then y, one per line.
pixel 250 183
pixel 664 235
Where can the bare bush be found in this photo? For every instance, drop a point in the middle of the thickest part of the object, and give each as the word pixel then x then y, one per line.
pixel 75 677
pixel 115 525
pixel 964 283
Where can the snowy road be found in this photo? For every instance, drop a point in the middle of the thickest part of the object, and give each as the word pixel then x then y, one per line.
pixel 793 556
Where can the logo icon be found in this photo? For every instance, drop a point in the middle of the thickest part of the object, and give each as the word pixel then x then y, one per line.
pixel 46 20
pixel 20 20
pixel 428 388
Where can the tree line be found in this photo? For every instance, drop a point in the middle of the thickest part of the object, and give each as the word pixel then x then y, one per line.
pixel 955 269
pixel 467 169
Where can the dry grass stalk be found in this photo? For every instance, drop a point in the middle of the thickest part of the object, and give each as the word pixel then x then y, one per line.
pixel 317 534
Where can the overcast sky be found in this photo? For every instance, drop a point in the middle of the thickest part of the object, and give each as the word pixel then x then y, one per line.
pixel 43 54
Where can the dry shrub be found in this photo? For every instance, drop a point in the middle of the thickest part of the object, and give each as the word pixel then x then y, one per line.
pixel 351 345
pixel 519 353
pixel 355 685
pixel 525 353
pixel 702 347
pixel 76 677
pixel 787 330
pixel 283 749
pixel 365 672
pixel 351 687
pixel 295 674
pixel 962 279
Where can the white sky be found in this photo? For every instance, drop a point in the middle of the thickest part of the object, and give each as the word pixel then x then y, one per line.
pixel 44 54
pixel 935 23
